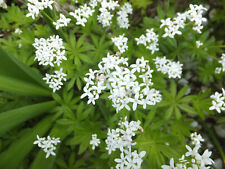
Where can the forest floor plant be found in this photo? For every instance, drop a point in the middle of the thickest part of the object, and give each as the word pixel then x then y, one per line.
pixel 94 87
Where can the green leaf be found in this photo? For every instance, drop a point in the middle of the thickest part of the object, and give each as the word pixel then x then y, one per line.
pixel 13 156
pixel 41 162
pixel 182 92
pixel 12 118
pixel 173 89
pixel 187 109
pixel 141 3
pixel 15 76
pixel 221 120
pixel 21 87
pixel 160 12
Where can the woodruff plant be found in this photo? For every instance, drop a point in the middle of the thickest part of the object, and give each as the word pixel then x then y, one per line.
pixel 108 76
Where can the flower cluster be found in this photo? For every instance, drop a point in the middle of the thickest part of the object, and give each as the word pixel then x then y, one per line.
pixel 121 138
pixel 121 43
pixel 3 4
pixel 82 13
pixel 105 16
pixel 62 21
pixel 173 26
pixel 47 144
pixel 195 15
pixel 35 6
pixel 122 18
pixel 95 141
pixel 125 85
pixel 55 81
pixel 192 158
pixel 49 51
pixel 221 61
pixel 166 66
pixel 150 40
pixel 218 102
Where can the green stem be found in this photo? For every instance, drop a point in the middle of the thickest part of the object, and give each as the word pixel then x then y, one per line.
pixel 215 140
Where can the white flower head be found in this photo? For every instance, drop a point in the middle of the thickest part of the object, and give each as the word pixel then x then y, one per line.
pixel 222 62
pixel 166 66
pixel 95 141
pixel 120 79
pixel 82 14
pixel 198 44
pixel 150 40
pixel 49 51
pixel 121 43
pixel 62 21
pixel 122 18
pixel 192 159
pixel 47 144
pixel 35 6
pixel 18 31
pixel 218 101
pixel 55 81
pixel 3 4
pixel 122 139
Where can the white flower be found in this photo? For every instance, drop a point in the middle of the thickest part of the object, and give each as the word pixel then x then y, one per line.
pixel 205 160
pixel 166 66
pixel 218 70
pixel 196 138
pixel 192 152
pixel 122 19
pixel 174 69
pixel 198 44
pixel 55 81
pixel 48 145
pixel 62 21
pixel 105 16
pixel 3 4
pixel 121 80
pixel 222 62
pixel 171 166
pixel 192 159
pixel 150 40
pixel 121 43
pixel 172 27
pixel 218 101
pixel 82 14
pixel 34 7
pixel 121 138
pixel 49 51
pixel 195 15
pixel 18 31
pixel 95 141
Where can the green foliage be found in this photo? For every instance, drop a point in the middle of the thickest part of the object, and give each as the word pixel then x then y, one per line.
pixel 176 102
pixel 28 107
